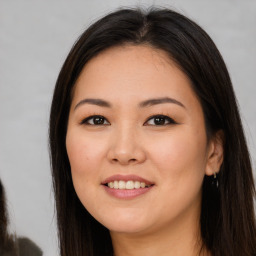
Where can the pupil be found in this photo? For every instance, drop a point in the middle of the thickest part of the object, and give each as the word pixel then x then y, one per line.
pixel 98 120
pixel 159 120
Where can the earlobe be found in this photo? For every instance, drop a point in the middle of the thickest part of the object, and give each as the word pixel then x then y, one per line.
pixel 215 153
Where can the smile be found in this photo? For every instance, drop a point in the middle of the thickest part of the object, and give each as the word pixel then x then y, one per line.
pixel 130 184
pixel 127 186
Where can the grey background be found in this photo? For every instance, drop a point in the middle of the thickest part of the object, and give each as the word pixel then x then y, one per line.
pixel 35 37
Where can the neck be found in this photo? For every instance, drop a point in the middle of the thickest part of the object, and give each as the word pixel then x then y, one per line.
pixel 182 237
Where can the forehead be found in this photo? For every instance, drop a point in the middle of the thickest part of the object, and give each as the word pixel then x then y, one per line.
pixel 132 72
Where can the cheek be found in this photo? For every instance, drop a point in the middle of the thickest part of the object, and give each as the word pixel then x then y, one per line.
pixel 85 157
pixel 180 161
pixel 83 153
pixel 182 154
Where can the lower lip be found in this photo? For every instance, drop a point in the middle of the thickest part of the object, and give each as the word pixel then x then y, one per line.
pixel 127 193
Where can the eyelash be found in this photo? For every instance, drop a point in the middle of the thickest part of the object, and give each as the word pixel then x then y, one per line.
pixel 163 117
pixel 93 117
pixel 102 118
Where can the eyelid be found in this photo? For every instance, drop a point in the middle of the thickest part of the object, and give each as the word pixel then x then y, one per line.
pixel 85 120
pixel 171 120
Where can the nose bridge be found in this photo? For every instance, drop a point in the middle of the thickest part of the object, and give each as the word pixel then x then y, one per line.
pixel 126 146
pixel 125 138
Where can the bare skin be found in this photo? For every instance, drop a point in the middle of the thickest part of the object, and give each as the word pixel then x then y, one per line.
pixel 134 113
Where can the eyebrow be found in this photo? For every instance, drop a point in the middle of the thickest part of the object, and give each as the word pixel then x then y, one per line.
pixel 97 102
pixel 146 103
pixel 151 102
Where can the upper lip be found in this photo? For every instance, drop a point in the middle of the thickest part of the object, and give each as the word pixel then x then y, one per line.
pixel 126 178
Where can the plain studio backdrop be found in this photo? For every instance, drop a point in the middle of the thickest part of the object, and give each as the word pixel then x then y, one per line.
pixel 35 37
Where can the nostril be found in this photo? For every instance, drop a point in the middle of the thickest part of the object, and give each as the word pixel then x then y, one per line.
pixel 132 160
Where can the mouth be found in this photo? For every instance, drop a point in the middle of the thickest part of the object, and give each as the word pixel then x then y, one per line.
pixel 130 184
pixel 127 186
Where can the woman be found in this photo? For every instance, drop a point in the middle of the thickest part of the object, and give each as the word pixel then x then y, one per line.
pixel 148 152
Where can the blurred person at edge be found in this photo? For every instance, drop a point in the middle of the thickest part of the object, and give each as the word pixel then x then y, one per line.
pixel 9 244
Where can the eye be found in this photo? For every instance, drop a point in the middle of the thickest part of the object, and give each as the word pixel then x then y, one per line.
pixel 160 120
pixel 95 120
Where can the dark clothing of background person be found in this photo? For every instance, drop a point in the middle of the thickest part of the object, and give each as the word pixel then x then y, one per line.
pixel 23 247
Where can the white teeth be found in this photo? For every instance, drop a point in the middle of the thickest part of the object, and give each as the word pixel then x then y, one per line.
pixel 121 184
pixel 116 184
pixel 127 184
pixel 111 184
pixel 137 184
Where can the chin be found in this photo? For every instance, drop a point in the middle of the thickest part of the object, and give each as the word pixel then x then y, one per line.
pixel 126 228
pixel 124 225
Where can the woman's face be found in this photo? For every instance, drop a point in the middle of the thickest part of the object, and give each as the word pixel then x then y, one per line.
pixel 136 141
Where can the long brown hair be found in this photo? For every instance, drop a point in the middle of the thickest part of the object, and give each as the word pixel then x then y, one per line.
pixel 227 215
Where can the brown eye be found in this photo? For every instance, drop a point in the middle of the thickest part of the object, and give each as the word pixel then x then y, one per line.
pixel 95 120
pixel 160 120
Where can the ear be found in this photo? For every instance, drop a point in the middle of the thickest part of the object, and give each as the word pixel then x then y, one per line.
pixel 215 153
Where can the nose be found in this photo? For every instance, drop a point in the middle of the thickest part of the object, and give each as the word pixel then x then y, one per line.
pixel 126 147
